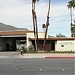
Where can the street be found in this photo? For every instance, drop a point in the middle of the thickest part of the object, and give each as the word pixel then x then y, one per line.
pixel 36 66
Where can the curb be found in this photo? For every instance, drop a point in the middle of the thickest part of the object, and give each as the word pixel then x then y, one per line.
pixel 61 57
pixel 65 56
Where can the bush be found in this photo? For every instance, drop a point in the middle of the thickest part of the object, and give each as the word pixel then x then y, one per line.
pixel 62 52
pixel 31 49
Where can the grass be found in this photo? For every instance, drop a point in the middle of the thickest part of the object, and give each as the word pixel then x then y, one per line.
pixel 62 52
pixel 44 52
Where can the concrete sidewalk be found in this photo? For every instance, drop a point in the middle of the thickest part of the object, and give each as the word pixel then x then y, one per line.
pixel 42 55
pixel 9 54
pixel 47 55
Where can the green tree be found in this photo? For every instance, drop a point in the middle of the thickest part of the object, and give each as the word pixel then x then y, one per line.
pixel 44 27
pixel 73 29
pixel 71 5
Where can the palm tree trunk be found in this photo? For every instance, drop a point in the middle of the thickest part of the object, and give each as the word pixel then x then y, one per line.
pixel 33 13
pixel 45 37
pixel 71 14
pixel 71 21
pixel 47 24
pixel 33 16
pixel 36 32
pixel 34 23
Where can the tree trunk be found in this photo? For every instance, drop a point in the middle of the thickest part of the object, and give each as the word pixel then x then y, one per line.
pixel 34 24
pixel 71 21
pixel 47 24
pixel 36 32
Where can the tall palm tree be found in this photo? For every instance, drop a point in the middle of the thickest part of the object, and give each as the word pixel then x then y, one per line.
pixel 71 4
pixel 47 24
pixel 74 21
pixel 74 29
pixel 35 22
pixel 44 27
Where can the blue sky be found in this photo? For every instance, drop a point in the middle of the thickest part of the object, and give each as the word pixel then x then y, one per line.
pixel 18 13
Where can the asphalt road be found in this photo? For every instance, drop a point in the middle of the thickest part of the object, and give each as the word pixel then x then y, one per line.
pixel 39 66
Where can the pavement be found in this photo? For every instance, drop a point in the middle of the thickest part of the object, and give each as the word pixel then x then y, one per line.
pixel 9 54
pixel 39 66
pixel 37 55
pixel 49 55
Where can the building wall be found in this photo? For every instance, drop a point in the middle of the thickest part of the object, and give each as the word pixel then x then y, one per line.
pixel 9 42
pixel 74 45
pixel 55 45
pixel 40 35
pixel 2 44
pixel 65 45
pixel 31 35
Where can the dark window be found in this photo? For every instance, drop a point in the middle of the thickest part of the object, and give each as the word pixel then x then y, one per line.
pixel 62 45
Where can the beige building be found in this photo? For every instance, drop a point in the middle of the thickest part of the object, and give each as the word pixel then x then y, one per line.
pixel 8 41
pixel 54 43
pixel 31 35
pixel 65 45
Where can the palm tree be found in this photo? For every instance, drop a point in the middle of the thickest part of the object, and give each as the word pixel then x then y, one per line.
pixel 44 27
pixel 74 21
pixel 47 24
pixel 34 22
pixel 73 29
pixel 71 4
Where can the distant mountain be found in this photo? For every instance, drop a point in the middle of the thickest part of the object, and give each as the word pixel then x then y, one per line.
pixel 4 27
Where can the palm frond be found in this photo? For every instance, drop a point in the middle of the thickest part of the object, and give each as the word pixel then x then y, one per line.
pixel 71 4
pixel 35 0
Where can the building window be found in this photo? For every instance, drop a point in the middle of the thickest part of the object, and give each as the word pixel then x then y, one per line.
pixel 62 45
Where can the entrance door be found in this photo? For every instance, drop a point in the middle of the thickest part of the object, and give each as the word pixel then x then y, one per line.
pixel 53 45
pixel 7 47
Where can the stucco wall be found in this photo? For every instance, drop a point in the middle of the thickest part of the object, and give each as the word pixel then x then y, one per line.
pixel 31 35
pixel 40 35
pixel 65 45
pixel 74 45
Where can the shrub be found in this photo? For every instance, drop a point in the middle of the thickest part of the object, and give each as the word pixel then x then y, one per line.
pixel 31 49
pixel 62 52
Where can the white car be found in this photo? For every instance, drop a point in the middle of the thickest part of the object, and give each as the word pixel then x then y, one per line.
pixel 21 45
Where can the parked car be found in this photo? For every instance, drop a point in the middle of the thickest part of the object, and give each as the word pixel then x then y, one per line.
pixel 22 44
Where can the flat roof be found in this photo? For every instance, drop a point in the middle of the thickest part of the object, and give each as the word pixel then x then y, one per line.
pixel 17 32
pixel 55 38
